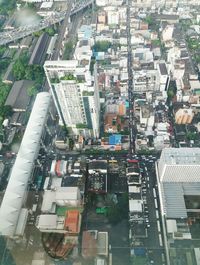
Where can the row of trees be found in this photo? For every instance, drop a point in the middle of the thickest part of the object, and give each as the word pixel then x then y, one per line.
pixel 29 72
pixel 68 50
pixel 5 111
pixel 4 65
pixel 22 70
pixel 50 31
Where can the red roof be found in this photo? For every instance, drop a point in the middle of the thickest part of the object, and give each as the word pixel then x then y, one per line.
pixel 89 245
pixel 58 168
pixel 133 161
pixel 72 221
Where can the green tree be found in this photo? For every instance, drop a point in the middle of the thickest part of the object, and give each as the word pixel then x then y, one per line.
pixel 170 93
pixel 7 6
pixel 191 136
pixel 102 46
pixel 4 90
pixel 6 111
pixel 149 20
pixel 50 31
pixel 68 50
pixel 2 50
pixel 113 214
pixel 156 42
pixel 37 33
pixel 4 64
pixel 19 69
pixel 32 91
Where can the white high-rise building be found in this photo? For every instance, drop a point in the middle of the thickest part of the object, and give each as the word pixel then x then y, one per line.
pixel 76 95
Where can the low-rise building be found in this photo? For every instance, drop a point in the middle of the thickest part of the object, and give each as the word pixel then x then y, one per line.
pixel 184 116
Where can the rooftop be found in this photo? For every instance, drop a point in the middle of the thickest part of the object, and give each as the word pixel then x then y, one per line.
pixel 181 156
pixel 18 97
pixel 163 69
pixel 21 172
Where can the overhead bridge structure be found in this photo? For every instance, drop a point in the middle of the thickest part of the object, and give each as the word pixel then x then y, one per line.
pixel 21 32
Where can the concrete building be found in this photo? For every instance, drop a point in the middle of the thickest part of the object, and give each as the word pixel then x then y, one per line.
pixel 94 243
pixel 167 33
pixel 163 76
pixel 113 17
pixel 145 81
pixel 76 96
pixel 102 2
pixel 184 116
pixel 102 17
pixel 18 97
pixel 62 196
pixel 178 179
pixel 52 223
pixel 179 192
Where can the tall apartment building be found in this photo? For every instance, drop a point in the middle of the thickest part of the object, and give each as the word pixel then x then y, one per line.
pixel 76 96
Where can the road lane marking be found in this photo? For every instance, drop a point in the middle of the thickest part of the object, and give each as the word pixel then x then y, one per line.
pixel 154 193
pixel 158 225
pixel 160 240
pixel 157 215
pixel 156 204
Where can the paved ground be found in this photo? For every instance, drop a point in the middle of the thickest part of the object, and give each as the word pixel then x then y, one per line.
pixel 118 234
pixel 154 242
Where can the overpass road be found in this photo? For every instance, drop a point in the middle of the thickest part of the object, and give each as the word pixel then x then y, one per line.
pixel 21 32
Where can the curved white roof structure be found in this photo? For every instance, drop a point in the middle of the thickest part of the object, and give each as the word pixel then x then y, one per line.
pixel 17 186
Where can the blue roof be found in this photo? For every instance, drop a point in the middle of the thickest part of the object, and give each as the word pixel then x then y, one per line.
pixel 127 104
pixel 115 139
pixel 99 55
pixel 139 251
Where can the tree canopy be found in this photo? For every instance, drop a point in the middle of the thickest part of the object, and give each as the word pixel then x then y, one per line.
pixel 6 6
pixel 102 46
pixel 5 111
pixel 68 50
pixel 51 31
pixel 21 70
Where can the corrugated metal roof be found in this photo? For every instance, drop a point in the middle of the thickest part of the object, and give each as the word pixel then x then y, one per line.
pixel 18 97
pixel 174 200
pixel 17 186
pixel 173 197
pixel 179 164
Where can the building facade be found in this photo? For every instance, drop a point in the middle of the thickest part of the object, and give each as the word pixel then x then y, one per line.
pixel 76 96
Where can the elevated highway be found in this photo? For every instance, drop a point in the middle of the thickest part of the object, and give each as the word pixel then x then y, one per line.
pixel 21 32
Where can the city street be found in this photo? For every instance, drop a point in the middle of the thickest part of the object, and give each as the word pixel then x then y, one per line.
pixel 154 241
